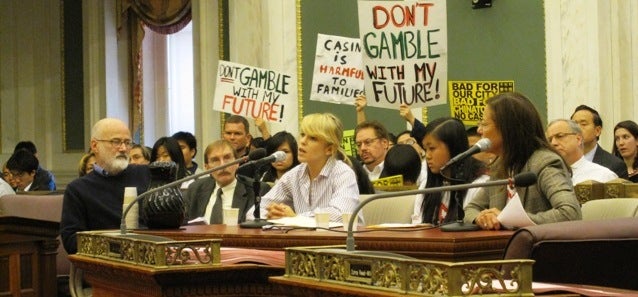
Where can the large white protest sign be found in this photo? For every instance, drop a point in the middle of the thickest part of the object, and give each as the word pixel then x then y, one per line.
pixel 404 47
pixel 254 92
pixel 337 76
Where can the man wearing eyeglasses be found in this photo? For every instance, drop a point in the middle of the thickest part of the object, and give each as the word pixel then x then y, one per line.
pixel 94 201
pixel 23 167
pixel 372 142
pixel 591 124
pixel 567 138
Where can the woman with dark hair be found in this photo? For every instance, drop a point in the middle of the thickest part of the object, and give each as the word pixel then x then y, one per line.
pixel 167 149
pixel 285 142
pixel 445 138
pixel 626 146
pixel 514 127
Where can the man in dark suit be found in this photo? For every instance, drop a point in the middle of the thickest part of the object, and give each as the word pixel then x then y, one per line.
pixel 236 192
pixel 591 125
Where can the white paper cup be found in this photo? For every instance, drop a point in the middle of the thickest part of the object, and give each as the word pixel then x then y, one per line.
pixel 345 218
pixel 132 218
pixel 231 215
pixel 323 221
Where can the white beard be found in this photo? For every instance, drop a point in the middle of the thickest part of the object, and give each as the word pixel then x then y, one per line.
pixel 117 165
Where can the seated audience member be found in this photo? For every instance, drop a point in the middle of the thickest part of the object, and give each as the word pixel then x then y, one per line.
pixel 285 142
pixel 237 132
pixel 41 174
pixel 23 166
pixel 404 110
pixel 7 177
pixel 405 138
pixel 513 125
pixel 626 146
pixel 208 196
pixel 472 137
pixel 257 142
pixel 403 160
pixel 94 201
pixel 445 138
pixel 140 155
pixel 188 144
pixel 5 186
pixel 86 164
pixel 323 182
pixel 591 124
pixel 167 149
pixel 371 139
pixel 567 139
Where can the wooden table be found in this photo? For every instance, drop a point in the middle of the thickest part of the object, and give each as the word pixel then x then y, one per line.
pixel 432 244
pixel 116 279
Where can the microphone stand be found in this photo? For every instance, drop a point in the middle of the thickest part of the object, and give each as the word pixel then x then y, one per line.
pixel 172 184
pixel 525 178
pixel 258 222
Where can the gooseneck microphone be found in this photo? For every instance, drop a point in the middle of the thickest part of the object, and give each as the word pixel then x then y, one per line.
pixel 480 146
pixel 253 155
pixel 520 180
pixel 258 222
pixel 275 157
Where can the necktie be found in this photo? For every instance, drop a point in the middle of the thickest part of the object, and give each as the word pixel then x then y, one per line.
pixel 217 215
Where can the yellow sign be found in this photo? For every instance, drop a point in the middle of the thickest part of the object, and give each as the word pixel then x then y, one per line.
pixel 390 181
pixel 467 98
pixel 348 143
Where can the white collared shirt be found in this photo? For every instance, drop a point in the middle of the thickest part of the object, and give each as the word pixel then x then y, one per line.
pixel 584 169
pixel 376 171
pixel 228 192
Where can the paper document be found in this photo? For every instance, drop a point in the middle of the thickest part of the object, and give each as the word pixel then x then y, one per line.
pixel 301 221
pixel 514 215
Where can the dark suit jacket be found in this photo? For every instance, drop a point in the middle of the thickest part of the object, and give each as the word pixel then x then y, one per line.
pixel 610 161
pixel 198 194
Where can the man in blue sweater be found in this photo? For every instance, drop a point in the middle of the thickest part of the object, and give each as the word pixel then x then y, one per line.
pixel 94 201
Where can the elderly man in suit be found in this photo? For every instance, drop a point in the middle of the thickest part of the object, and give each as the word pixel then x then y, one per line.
pixel 203 196
pixel 591 125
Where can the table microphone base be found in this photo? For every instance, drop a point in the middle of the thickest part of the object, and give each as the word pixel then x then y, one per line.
pixel 255 224
pixel 459 227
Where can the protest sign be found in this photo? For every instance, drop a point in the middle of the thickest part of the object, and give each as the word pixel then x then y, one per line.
pixel 337 76
pixel 467 98
pixel 404 53
pixel 254 92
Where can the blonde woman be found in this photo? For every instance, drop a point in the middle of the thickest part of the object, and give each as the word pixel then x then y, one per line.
pixel 324 182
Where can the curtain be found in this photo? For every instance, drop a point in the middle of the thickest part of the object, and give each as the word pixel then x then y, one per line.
pixel 161 16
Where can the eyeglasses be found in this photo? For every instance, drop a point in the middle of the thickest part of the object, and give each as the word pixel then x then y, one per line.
pixel 116 142
pixel 409 141
pixel 367 142
pixel 559 136
pixel 17 174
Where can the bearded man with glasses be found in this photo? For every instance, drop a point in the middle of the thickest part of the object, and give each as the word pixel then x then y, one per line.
pixel 94 201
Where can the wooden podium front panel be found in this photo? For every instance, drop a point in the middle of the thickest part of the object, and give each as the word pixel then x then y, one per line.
pixel 115 279
pixel 432 244
pixel 28 251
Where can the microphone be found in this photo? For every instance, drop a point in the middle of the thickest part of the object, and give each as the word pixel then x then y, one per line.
pixel 275 157
pixel 255 154
pixel 480 146
pixel 520 180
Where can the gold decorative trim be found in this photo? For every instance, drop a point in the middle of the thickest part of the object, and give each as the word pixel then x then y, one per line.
pixel 299 62
pixel 222 53
pixel 405 275
pixel 148 250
